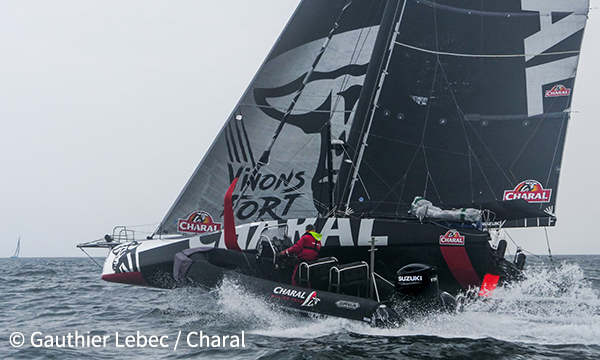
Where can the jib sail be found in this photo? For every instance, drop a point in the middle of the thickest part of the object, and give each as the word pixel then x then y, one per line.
pixel 293 183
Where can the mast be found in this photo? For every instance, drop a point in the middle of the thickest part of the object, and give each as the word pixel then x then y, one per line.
pixel 373 83
pixel 330 150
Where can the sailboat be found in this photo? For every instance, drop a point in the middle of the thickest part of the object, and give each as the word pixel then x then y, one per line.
pixel 17 250
pixel 407 131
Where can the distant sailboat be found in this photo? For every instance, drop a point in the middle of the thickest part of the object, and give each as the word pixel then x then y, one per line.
pixel 17 250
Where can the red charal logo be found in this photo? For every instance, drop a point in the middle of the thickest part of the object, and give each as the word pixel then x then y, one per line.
pixel 531 191
pixel 452 237
pixel 198 222
pixel 311 300
pixel 558 90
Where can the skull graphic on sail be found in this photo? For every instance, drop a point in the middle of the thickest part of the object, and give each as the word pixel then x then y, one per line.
pixel 297 173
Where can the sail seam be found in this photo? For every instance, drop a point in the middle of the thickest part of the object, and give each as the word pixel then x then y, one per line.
pixel 436 52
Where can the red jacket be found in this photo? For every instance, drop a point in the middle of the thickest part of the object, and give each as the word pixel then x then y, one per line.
pixel 307 248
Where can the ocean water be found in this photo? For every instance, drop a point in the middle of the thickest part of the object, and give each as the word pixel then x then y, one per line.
pixel 59 308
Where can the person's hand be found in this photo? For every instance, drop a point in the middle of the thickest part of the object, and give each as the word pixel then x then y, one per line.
pixel 281 253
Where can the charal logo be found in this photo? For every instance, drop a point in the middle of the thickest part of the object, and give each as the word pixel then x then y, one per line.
pixel 531 191
pixel 452 237
pixel 558 90
pixel 295 296
pixel 198 222
pixel 311 300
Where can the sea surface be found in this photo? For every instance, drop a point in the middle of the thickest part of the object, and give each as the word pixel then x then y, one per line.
pixel 59 308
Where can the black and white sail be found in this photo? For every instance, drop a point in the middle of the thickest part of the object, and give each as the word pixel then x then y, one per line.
pixel 472 110
pixel 363 105
pixel 295 183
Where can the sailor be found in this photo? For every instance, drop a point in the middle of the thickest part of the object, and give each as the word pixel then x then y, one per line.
pixel 306 249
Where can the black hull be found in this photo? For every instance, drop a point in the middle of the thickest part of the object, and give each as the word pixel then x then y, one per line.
pixel 199 270
pixel 461 264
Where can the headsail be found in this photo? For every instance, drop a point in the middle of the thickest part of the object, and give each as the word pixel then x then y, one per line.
pixel 473 108
pixel 294 182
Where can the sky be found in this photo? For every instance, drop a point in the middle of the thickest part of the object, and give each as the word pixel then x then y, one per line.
pixel 107 107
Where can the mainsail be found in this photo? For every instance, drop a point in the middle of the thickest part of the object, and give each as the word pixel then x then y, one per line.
pixel 473 110
pixel 464 102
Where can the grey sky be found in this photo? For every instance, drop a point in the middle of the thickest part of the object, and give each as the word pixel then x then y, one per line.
pixel 106 108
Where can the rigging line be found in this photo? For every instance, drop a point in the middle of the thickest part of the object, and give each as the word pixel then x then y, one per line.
pixel 306 143
pixel 563 126
pixel 511 239
pixel 431 91
pixel 470 148
pixel 518 247
pixel 535 131
pixel 548 243
pixel 264 159
pixel 524 147
pixel 416 145
pixel 489 153
pixel 463 117
pixel 435 52
pixel 402 179
pixel 405 176
pixel 358 49
pixel 375 105
pixel 390 189
pixel 142 225
pixel 371 168
pixel 94 260
pixel 438 64
pixel 359 177
pixel 311 139
pixel 471 152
